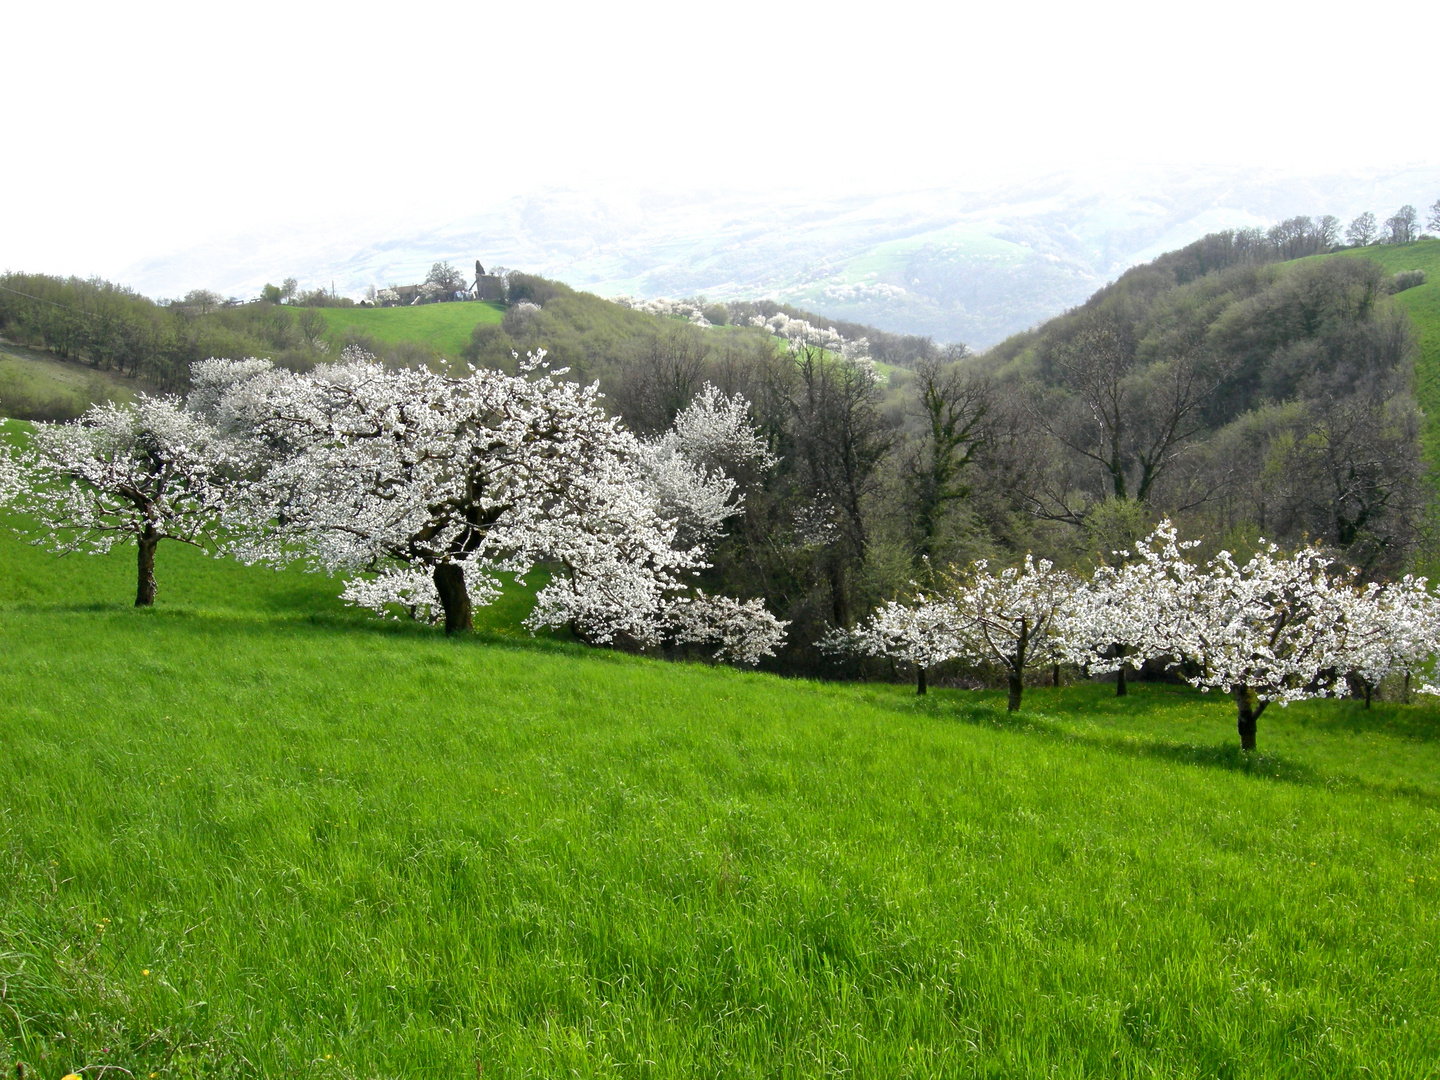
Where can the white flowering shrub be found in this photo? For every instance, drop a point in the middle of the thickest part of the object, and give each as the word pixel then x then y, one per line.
pixel 1271 629
pixel 741 631
pixel 800 332
pixel 10 475
pixel 1011 620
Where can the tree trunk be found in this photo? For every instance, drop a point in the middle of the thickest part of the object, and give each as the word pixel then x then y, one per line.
pixel 839 592
pixel 1055 676
pixel 1247 712
pixel 1017 687
pixel 920 685
pixel 1122 688
pixel 454 598
pixel 145 586
pixel 1407 688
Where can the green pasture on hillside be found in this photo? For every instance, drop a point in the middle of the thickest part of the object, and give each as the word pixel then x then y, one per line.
pixel 1423 305
pixel 39 385
pixel 251 832
pixel 443 327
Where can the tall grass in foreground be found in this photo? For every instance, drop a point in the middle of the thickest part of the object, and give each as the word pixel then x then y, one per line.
pixel 247 833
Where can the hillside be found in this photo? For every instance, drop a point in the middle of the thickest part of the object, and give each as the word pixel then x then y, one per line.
pixel 40 386
pixel 1246 391
pixel 1422 304
pixel 443 328
pixel 956 262
pixel 249 832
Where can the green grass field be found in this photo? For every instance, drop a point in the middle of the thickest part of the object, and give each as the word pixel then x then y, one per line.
pixel 252 833
pixel 443 327
pixel 1423 305
pixel 37 385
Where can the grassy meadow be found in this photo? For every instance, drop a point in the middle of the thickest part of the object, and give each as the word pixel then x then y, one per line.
pixel 250 832
pixel 40 385
pixel 443 327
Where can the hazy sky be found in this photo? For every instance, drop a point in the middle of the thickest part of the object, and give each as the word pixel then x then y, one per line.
pixel 132 130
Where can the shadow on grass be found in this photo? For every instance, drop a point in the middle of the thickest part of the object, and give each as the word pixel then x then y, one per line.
pixel 1229 758
pixel 1385 718
pixel 339 618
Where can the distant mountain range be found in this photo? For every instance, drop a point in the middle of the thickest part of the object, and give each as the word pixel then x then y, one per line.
pixel 961 264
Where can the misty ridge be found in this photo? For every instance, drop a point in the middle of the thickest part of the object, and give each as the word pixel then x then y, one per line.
pixel 1253 383
pixel 960 265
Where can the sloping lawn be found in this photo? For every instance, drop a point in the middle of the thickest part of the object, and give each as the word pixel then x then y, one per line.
pixel 251 833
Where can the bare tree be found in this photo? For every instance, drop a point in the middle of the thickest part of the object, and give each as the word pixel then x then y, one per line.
pixel 1295 237
pixel 1403 226
pixel 661 376
pixel 953 409
pixel 1434 222
pixel 840 437
pixel 446 277
pixel 1361 231
pixel 1133 421
pixel 1328 230
pixel 313 326
pixel 1351 473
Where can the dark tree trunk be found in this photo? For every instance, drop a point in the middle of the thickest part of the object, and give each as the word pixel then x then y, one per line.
pixel 1360 687
pixel 1247 712
pixel 1017 687
pixel 839 591
pixel 145 585
pixel 1017 667
pixel 1055 676
pixel 454 598
pixel 920 684
pixel 1122 687
pixel 1407 688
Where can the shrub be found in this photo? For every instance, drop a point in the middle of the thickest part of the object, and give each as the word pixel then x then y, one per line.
pixel 1407 279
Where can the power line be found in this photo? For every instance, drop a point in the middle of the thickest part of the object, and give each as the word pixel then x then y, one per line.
pixel 52 303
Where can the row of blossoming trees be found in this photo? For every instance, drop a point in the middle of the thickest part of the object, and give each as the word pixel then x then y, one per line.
pixel 1273 628
pixel 420 489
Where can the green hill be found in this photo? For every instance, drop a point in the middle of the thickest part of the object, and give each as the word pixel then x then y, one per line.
pixel 445 328
pixel 1422 303
pixel 251 832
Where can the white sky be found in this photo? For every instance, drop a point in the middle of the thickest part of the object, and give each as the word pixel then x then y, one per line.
pixel 136 129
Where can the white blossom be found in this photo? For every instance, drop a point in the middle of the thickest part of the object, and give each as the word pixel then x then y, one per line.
pixel 742 631
pixel 423 488
pixel 691 310
pixel 920 632
pixel 10 474
pixel 1012 619
pixel 687 467
pixel 140 473
pixel 1123 615
pixel 1392 629
pixel 1274 625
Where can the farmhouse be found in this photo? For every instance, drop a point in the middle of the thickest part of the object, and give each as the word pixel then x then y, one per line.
pixel 485 287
